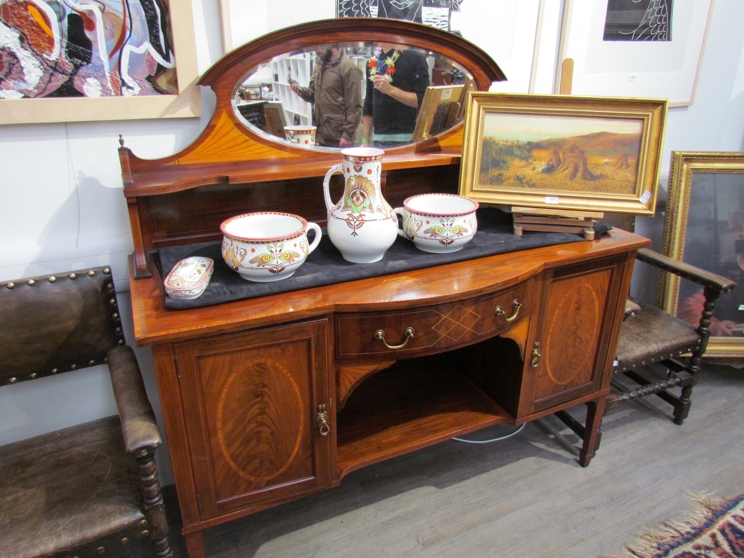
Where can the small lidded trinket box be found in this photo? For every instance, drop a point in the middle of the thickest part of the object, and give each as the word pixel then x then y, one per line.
pixel 189 278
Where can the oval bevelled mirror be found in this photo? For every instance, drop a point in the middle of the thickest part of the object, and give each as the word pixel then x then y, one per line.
pixel 353 93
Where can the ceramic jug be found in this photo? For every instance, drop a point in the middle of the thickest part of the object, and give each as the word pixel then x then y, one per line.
pixel 361 224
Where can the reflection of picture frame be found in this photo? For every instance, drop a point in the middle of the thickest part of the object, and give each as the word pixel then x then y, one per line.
pixel 186 104
pixel 275 118
pixel 439 110
pixel 469 86
pixel 563 153
pixel 657 69
pixel 704 226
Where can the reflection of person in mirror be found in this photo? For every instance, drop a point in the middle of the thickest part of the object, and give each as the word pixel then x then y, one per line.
pixel 336 92
pixel 396 82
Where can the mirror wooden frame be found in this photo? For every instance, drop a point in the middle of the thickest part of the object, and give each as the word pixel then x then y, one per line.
pixel 225 76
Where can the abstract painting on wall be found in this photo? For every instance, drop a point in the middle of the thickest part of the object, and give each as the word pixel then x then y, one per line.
pixel 67 49
pixel 435 13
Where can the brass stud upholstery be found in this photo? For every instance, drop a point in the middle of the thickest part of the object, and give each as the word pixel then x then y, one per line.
pixel 41 362
pixel 85 477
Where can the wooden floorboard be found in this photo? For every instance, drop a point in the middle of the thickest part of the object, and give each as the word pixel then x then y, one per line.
pixel 525 496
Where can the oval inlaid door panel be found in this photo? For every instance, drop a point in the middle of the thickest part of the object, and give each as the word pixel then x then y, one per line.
pixel 250 411
pixel 575 311
pixel 260 420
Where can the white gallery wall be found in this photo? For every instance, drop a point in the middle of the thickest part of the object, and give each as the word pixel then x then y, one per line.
pixel 60 184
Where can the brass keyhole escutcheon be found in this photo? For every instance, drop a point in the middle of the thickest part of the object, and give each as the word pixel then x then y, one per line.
pixel 516 306
pixel 535 355
pixel 409 332
pixel 322 420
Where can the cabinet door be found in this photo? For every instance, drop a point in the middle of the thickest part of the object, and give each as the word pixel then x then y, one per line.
pixel 251 404
pixel 568 355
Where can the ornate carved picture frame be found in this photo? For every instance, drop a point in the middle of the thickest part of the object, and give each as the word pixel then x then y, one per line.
pixel 563 153
pixel 704 226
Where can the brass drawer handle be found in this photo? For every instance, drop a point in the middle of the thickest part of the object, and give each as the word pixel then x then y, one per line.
pixel 516 305
pixel 322 420
pixel 379 334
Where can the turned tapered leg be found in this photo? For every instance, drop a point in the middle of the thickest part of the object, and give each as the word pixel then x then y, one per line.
pixel 195 544
pixel 592 430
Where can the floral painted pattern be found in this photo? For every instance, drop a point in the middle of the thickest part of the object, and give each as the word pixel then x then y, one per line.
pixel 446 231
pixel 275 259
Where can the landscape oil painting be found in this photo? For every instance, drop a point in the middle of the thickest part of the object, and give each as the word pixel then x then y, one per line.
pixel 598 154
pixel 563 153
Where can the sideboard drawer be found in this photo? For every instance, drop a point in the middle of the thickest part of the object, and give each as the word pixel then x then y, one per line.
pixel 428 329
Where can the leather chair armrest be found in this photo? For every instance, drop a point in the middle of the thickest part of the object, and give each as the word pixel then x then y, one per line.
pixel 141 434
pixel 712 281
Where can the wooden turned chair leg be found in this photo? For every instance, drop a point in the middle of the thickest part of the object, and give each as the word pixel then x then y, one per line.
pixel 154 506
pixel 594 413
pixel 682 409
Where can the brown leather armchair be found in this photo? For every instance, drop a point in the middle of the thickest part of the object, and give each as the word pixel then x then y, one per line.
pixel 91 489
pixel 652 345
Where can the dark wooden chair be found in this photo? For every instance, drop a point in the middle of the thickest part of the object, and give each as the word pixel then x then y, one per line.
pixel 91 489
pixel 659 353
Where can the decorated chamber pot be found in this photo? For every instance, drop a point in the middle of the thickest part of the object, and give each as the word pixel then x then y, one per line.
pixel 438 223
pixel 267 246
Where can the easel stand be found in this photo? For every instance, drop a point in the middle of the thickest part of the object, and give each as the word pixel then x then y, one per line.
pixel 553 220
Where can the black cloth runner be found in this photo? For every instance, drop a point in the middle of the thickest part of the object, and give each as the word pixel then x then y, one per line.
pixel 325 266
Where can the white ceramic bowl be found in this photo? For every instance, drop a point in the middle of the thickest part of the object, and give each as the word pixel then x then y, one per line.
pixel 267 246
pixel 302 135
pixel 438 223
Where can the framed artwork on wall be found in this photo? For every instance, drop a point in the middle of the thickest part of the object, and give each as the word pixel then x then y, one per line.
pixel 704 226
pixel 429 12
pixel 103 61
pixel 563 153
pixel 635 48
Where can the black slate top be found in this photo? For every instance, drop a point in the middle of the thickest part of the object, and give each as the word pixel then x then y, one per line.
pixel 325 266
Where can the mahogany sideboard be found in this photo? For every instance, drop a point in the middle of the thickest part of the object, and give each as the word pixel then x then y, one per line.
pixel 273 398
pixel 269 399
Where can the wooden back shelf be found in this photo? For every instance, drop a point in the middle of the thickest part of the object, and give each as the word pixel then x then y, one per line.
pixel 231 169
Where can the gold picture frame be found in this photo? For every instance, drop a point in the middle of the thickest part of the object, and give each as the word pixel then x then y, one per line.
pixel 704 226
pixel 82 109
pixel 440 109
pixel 565 153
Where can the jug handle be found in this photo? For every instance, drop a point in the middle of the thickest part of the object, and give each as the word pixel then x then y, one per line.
pixel 326 181
pixel 401 211
pixel 318 234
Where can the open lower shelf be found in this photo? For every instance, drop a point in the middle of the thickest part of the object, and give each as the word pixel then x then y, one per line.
pixel 411 405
